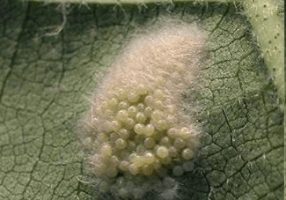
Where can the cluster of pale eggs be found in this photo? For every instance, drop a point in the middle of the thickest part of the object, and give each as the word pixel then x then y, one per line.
pixel 140 135
pixel 139 132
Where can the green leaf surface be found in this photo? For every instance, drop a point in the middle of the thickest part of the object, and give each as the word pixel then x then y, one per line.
pixel 45 81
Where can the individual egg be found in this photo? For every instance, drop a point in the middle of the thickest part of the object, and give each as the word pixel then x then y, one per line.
pixel 123 165
pixel 139 129
pixel 111 172
pixel 149 158
pixel 140 107
pixel 140 117
pixel 120 143
pixel 123 105
pixel 162 152
pixel 149 100
pixel 106 150
pixel 122 115
pixel 148 111
pixel 149 130
pixel 173 152
pixel 113 137
pixel 133 169
pixel 115 125
pixel 172 133
pixel 179 143
pixel 156 115
pixel 132 156
pixel 129 123
pixel 165 141
pixel 132 111
pixel 124 134
pixel 187 154
pixel 133 97
pixel 161 125
pixel 138 161
pixel 185 133
pixel 149 143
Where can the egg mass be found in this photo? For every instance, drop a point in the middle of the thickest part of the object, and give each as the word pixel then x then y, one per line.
pixel 137 124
